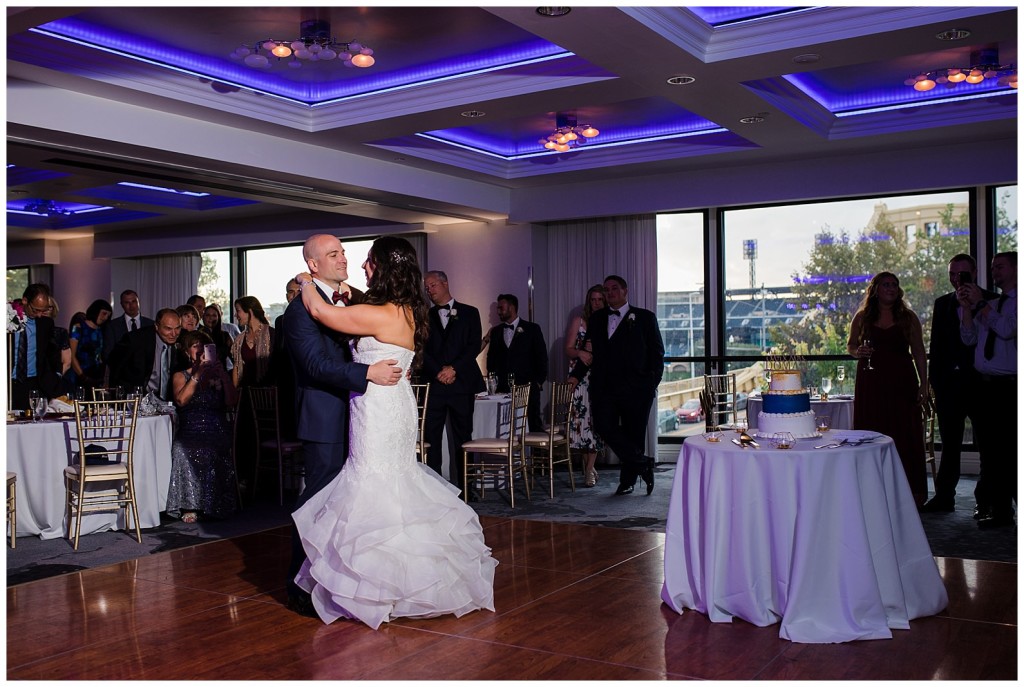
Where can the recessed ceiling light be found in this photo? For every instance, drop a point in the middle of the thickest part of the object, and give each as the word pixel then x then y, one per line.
pixel 953 35
pixel 754 119
pixel 807 58
pixel 681 80
pixel 473 113
pixel 553 11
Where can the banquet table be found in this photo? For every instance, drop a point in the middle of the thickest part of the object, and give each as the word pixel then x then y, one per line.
pixel 39 451
pixel 840 410
pixel 487 415
pixel 827 542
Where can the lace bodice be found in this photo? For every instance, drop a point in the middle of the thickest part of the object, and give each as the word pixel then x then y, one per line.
pixel 383 420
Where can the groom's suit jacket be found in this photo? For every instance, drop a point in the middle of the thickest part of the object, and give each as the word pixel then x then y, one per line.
pixel 630 363
pixel 457 345
pixel 324 375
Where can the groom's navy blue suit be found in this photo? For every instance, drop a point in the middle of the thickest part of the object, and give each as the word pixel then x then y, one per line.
pixel 324 375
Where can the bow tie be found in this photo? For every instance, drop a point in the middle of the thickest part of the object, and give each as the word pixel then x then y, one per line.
pixel 507 326
pixel 613 312
pixel 444 307
pixel 343 297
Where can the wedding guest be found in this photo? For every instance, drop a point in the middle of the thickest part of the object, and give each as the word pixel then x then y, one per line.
pixel 251 353
pixel 892 380
pixel 87 365
pixel 199 303
pixel 63 339
pixel 582 436
pixel 202 469
pixel 955 383
pixel 147 356
pixel 230 327
pixel 36 357
pixel 517 349
pixel 221 339
pixel 991 326
pixel 626 370
pixel 190 318
pixel 130 321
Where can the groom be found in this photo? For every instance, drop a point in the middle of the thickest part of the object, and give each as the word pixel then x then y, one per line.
pixel 324 376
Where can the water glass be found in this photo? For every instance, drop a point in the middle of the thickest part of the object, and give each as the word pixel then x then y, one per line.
pixel 492 384
pixel 39 407
pixel 33 398
pixel 826 387
pixel 511 382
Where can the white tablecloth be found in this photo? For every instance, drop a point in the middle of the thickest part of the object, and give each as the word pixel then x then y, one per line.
pixel 828 541
pixel 840 410
pixel 486 424
pixel 38 452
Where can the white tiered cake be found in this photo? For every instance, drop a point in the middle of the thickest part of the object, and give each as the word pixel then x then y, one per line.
pixel 786 407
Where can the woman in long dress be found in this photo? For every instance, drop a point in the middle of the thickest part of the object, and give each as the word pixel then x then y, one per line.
pixel 389 537
pixel 892 377
pixel 581 430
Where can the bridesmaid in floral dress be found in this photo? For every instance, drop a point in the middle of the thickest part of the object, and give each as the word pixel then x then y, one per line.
pixel 581 429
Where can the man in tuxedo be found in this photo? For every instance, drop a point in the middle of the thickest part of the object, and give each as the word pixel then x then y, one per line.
pixel 324 375
pixel 449 364
pixel 955 383
pixel 517 348
pixel 37 362
pixel 131 320
pixel 625 372
pixel 148 356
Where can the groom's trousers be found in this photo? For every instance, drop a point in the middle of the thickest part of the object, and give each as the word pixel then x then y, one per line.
pixel 323 462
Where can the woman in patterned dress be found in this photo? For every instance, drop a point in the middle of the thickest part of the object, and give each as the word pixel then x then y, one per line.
pixel 581 429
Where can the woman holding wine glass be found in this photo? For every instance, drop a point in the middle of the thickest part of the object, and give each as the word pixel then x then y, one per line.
pixel 892 381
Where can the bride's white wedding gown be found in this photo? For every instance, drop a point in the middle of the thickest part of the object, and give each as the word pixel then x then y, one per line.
pixel 389 537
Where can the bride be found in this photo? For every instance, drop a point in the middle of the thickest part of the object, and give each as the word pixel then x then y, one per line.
pixel 389 537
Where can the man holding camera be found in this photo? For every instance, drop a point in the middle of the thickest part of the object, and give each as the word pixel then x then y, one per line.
pixel 955 382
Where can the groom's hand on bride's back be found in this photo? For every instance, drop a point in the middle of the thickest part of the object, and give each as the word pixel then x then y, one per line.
pixel 384 373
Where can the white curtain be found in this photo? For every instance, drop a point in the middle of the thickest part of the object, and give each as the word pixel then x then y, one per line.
pixel 162 282
pixel 580 254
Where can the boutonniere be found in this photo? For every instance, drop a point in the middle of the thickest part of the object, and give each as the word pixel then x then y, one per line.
pixel 519 330
pixel 15 316
pixel 453 314
pixel 632 317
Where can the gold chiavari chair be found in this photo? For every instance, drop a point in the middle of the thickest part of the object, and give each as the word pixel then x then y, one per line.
pixel 509 450
pixel 422 392
pixel 551 448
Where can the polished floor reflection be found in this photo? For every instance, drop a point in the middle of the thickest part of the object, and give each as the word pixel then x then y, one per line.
pixel 573 602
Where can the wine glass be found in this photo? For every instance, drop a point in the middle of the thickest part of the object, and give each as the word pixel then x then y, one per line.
pixel 826 387
pixel 867 342
pixel 39 402
pixel 840 376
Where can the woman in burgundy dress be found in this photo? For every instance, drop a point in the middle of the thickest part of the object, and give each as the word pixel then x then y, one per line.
pixel 892 381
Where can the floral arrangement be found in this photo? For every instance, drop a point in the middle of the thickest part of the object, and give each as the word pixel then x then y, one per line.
pixel 15 316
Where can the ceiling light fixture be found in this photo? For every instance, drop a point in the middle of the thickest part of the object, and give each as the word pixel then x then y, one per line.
pixel 46 207
pixel 568 135
pixel 472 114
pixel 314 44
pixel 553 11
pixel 681 80
pixel 984 65
pixel 953 35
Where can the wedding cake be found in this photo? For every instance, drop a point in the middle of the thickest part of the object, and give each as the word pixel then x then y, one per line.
pixel 786 407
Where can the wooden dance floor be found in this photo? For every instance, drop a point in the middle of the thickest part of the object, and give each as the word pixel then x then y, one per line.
pixel 573 602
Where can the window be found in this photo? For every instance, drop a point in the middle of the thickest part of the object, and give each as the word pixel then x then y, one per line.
pixel 17 282
pixel 1006 218
pixel 680 314
pixel 267 271
pixel 215 282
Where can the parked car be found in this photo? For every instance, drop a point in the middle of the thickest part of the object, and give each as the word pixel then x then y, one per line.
pixel 667 421
pixel 690 411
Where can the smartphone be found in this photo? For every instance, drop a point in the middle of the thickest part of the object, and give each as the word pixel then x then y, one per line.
pixel 209 353
pixel 964 278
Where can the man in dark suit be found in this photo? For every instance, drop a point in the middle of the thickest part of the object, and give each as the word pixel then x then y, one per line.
pixel 37 363
pixel 517 348
pixel 324 375
pixel 148 356
pixel 449 364
pixel 955 382
pixel 131 320
pixel 625 372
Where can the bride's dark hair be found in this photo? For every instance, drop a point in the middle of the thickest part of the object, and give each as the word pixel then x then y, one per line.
pixel 397 279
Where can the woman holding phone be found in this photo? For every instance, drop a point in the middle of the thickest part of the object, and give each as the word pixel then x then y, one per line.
pixel 202 469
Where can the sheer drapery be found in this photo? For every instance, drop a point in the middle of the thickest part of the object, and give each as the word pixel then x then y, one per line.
pixel 162 282
pixel 580 254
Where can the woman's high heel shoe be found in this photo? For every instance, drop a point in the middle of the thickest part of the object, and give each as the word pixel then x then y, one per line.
pixel 591 478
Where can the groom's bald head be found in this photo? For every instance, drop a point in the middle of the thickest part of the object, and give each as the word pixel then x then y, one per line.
pixel 325 257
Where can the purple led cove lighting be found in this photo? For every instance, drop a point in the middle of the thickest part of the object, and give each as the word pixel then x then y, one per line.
pixel 18 206
pixel 267 83
pixel 724 16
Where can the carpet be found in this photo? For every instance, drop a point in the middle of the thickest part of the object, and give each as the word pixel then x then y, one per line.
pixel 952 535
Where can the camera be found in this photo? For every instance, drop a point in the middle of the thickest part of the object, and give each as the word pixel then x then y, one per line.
pixel 964 278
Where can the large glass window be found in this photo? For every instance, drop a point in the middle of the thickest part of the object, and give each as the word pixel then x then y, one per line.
pixel 215 281
pixel 680 314
pixel 267 271
pixel 17 282
pixel 1006 218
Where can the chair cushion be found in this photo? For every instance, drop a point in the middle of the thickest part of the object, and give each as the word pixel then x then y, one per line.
pixel 111 471
pixel 486 445
pixel 541 438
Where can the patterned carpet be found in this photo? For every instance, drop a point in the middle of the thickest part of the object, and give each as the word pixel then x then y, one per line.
pixel 953 535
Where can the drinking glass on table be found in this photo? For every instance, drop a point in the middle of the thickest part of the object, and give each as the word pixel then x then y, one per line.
pixel 840 376
pixel 826 387
pixel 38 401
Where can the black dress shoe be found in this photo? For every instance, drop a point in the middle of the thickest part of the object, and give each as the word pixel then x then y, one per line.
pixel 981 512
pixel 992 521
pixel 937 505
pixel 302 603
pixel 648 477
pixel 624 489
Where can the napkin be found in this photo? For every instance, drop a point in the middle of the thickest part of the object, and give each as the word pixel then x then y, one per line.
pixel 58 406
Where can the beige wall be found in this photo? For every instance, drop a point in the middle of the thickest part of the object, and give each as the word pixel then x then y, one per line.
pixel 79 279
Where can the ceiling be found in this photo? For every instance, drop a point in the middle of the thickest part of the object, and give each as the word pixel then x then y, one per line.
pixel 816 81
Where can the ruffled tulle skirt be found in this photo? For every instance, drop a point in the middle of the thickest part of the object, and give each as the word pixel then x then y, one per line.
pixel 381 545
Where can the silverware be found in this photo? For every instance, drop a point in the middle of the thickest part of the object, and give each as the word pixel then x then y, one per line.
pixel 834 444
pixel 738 443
